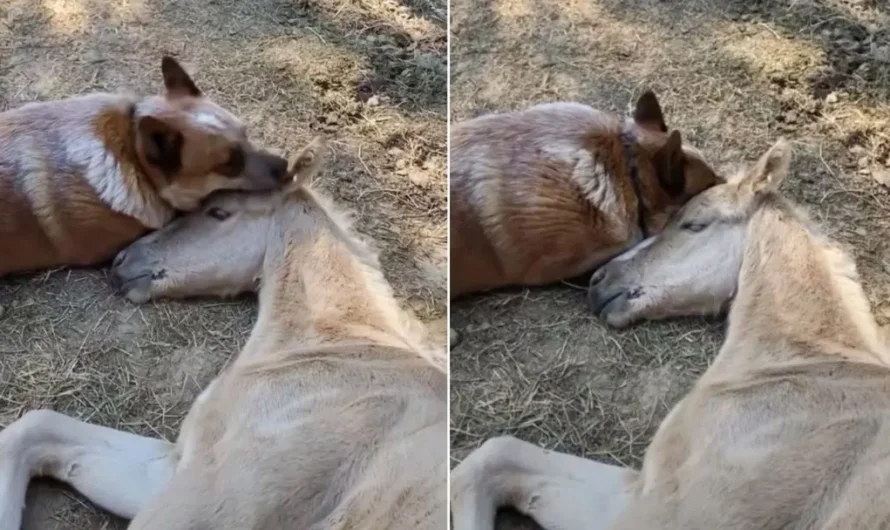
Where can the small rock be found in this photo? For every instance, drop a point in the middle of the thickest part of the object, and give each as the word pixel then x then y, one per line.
pixel 863 162
pixel 862 232
pixel 418 176
pixel 857 149
pixel 882 53
pixel 453 338
pixel 373 101
pixel 831 98
pixel 882 176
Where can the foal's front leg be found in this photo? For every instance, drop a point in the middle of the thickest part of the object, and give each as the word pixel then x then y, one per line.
pixel 118 471
pixel 558 491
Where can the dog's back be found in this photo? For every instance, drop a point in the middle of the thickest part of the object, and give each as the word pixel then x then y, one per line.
pixel 512 185
pixel 58 178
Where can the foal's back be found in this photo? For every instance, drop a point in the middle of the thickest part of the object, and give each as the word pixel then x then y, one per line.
pixel 342 437
pixel 803 446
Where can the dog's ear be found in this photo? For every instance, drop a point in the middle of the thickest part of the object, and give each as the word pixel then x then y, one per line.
pixel 176 79
pixel 161 144
pixel 648 113
pixel 670 165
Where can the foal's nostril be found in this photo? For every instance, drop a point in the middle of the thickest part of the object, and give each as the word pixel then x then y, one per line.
pixel 121 256
pixel 597 277
pixel 115 280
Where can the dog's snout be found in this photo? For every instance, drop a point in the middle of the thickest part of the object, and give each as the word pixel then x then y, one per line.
pixel 264 171
pixel 278 168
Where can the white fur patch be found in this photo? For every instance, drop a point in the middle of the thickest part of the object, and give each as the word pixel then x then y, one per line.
pixel 596 185
pixel 103 172
pixel 211 121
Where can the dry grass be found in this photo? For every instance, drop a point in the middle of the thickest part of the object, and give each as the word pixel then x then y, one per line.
pixel 733 75
pixel 369 74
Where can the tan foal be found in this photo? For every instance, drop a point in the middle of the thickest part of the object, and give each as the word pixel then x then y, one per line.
pixel 790 426
pixel 332 417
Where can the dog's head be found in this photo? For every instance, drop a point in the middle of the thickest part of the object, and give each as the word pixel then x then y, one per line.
pixel 680 170
pixel 191 147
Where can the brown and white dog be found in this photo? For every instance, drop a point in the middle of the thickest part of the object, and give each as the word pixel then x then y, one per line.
pixel 82 177
pixel 551 192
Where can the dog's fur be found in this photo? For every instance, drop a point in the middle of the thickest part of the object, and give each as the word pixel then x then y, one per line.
pixel 546 194
pixel 80 178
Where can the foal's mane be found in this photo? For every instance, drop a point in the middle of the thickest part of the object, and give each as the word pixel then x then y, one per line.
pixel 409 330
pixel 836 257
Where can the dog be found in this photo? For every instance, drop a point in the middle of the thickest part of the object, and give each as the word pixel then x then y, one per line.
pixel 549 193
pixel 83 177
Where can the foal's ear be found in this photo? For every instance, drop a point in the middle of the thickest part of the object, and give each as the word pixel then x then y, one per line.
pixel 308 161
pixel 769 171
pixel 648 113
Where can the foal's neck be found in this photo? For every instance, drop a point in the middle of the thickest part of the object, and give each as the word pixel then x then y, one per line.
pixel 798 298
pixel 322 286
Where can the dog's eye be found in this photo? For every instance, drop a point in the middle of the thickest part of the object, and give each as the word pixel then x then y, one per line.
pixel 693 226
pixel 219 214
pixel 235 164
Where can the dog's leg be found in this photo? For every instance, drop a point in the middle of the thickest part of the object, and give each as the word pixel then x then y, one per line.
pixel 559 491
pixel 118 471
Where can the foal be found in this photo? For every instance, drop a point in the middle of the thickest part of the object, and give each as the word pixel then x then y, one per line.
pixel 333 415
pixel 788 429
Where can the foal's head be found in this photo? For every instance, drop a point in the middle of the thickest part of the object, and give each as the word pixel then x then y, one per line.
pixel 692 267
pixel 219 249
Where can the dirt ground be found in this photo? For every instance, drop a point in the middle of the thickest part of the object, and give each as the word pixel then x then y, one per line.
pixel 733 76
pixel 370 74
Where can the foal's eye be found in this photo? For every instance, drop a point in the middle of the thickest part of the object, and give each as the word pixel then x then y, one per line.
pixel 219 214
pixel 694 227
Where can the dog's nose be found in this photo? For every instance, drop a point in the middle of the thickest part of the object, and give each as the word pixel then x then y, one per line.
pixel 278 168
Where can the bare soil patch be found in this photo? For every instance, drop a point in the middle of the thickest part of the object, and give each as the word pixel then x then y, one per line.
pixel 370 74
pixel 733 76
